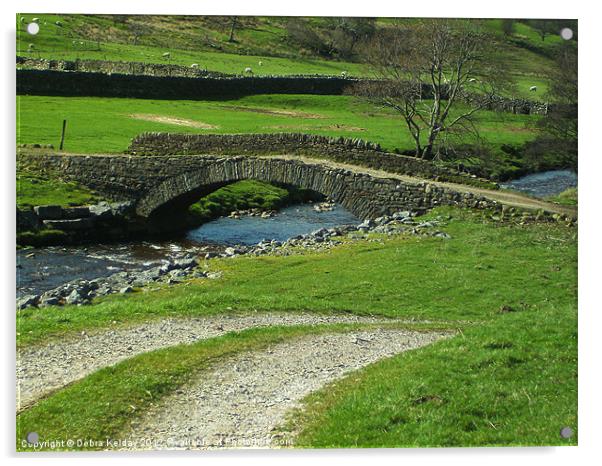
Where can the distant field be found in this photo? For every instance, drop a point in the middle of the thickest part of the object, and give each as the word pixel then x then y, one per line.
pixel 108 125
pixel 187 39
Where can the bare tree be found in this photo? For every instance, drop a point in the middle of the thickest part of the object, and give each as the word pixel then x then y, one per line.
pixel 425 70
pixel 233 24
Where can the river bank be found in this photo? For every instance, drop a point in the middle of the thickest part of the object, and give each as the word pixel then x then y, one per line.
pixel 185 263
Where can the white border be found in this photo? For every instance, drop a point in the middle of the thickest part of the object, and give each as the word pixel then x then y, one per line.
pixel 590 166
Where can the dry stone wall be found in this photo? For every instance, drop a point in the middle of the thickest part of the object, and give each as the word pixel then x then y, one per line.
pixel 101 78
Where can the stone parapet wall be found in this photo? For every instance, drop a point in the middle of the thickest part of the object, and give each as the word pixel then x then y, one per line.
pixel 338 149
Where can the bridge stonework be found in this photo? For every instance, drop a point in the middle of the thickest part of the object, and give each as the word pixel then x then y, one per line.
pixel 160 183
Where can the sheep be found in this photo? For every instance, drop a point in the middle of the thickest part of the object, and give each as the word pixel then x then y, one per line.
pixel 533 88
pixel 194 65
pixel 260 63
pixel 472 80
pixel 248 70
pixel 166 55
pixel 343 74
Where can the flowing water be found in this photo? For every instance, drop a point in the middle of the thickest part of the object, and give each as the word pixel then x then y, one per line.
pixel 544 184
pixel 42 269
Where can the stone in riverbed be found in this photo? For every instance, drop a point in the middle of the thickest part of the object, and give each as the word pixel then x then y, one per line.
pixel 186 263
pixel 75 297
pixel 76 212
pixel 26 301
pixel 71 224
pixel 49 212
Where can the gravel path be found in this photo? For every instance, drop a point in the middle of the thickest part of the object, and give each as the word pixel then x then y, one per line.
pixel 510 198
pixel 241 400
pixel 43 369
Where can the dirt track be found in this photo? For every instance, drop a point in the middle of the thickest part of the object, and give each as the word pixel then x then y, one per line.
pixel 44 369
pixel 505 197
pixel 241 400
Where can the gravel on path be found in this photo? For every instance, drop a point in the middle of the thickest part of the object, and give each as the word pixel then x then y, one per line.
pixel 241 400
pixel 44 369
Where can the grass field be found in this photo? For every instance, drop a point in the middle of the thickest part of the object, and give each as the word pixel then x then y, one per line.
pixel 509 378
pixel 99 125
pixel 204 41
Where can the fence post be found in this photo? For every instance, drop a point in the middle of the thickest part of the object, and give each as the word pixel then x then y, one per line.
pixel 63 134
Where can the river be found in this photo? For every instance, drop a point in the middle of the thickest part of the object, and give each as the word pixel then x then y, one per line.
pixel 544 184
pixel 42 269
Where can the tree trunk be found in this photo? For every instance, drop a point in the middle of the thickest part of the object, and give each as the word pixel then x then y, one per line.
pixel 232 27
pixel 427 153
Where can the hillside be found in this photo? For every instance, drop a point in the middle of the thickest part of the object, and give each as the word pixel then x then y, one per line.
pixel 268 45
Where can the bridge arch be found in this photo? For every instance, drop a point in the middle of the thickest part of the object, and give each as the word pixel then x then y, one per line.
pixel 197 181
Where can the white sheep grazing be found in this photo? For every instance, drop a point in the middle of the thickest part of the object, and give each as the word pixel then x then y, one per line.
pixel 533 88
pixel 166 55
pixel 260 63
pixel 472 80
pixel 248 70
pixel 194 65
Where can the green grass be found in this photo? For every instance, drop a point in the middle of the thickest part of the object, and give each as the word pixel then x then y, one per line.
pixel 509 378
pixel 54 42
pixel 200 40
pixel 110 127
pixel 484 267
pixel 566 197
pixel 38 189
pixel 512 381
pixel 43 237
pixel 102 405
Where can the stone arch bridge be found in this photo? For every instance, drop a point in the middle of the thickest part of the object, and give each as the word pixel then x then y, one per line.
pixel 159 184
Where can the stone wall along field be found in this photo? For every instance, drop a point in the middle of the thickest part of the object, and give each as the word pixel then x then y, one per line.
pixel 101 78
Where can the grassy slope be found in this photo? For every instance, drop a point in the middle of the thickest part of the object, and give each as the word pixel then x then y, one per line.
pixel 204 41
pixel 508 379
pixel 72 41
pixel 512 381
pixel 36 189
pixel 468 279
